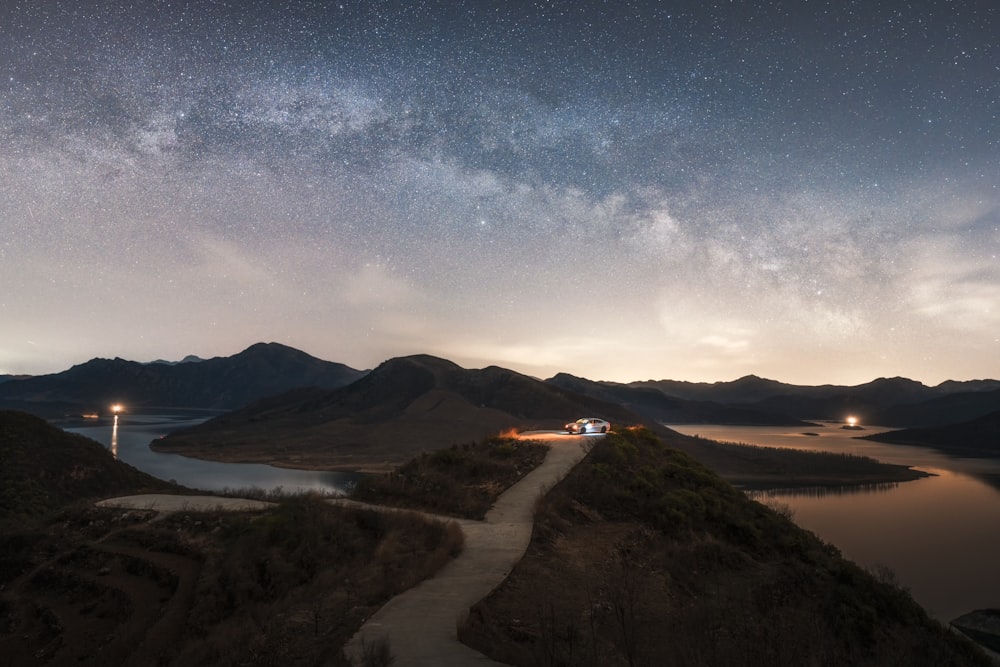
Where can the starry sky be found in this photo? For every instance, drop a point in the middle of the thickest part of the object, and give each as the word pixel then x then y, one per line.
pixel 804 190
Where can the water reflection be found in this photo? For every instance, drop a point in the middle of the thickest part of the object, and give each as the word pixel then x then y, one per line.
pixel 938 534
pixel 821 491
pixel 128 440
pixel 114 439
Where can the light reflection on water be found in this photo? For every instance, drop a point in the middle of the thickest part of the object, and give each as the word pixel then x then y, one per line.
pixel 114 439
pixel 938 534
pixel 820 491
pixel 129 438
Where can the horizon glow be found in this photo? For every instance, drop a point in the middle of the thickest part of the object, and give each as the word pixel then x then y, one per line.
pixel 808 193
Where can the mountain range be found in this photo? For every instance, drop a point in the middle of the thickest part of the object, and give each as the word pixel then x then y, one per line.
pixel 268 369
pixel 885 401
pixel 220 383
pixel 279 394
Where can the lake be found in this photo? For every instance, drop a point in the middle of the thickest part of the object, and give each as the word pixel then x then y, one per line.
pixel 940 535
pixel 128 437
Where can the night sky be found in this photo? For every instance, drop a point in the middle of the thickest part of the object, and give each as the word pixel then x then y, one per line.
pixel 806 191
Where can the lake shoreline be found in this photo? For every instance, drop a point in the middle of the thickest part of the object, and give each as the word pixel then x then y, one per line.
pixel 902 474
pixel 751 478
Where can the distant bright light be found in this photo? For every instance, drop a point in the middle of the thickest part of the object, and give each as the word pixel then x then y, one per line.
pixel 852 421
pixel 117 407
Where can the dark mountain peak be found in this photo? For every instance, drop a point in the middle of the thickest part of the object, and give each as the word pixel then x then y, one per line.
pixel 753 381
pixel 98 364
pixel 896 381
pixel 562 379
pixel 430 361
pixel 189 359
pixel 418 363
pixel 893 390
pixel 270 351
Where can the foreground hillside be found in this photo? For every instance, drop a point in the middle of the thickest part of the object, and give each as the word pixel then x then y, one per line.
pixel 286 586
pixel 289 585
pixel 404 407
pixel 42 468
pixel 642 556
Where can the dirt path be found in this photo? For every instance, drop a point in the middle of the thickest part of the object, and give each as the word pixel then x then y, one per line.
pixel 420 624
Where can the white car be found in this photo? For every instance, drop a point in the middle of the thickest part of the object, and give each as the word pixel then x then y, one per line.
pixel 588 425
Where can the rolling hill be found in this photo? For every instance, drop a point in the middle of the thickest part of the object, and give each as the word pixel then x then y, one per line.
pixel 977 437
pixel 940 411
pixel 405 406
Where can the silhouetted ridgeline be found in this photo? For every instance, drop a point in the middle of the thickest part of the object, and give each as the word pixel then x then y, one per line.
pixel 268 369
pixel 261 370
pixel 885 401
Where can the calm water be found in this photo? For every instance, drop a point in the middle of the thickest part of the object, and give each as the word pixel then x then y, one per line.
pixel 129 439
pixel 940 535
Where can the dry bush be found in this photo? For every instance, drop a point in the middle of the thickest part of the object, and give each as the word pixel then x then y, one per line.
pixel 377 653
pixel 461 481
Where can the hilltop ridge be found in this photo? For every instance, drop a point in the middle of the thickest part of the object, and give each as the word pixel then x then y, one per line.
pixel 404 406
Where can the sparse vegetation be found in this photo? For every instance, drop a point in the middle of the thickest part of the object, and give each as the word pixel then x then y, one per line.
pixel 642 556
pixel 462 480
pixel 285 586
pixel 377 654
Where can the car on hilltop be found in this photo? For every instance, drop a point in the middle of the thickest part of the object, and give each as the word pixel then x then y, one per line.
pixel 588 425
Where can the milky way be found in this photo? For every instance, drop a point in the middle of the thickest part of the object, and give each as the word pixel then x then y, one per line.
pixel 808 191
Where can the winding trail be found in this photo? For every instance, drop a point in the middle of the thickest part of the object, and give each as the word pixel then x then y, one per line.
pixel 420 625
